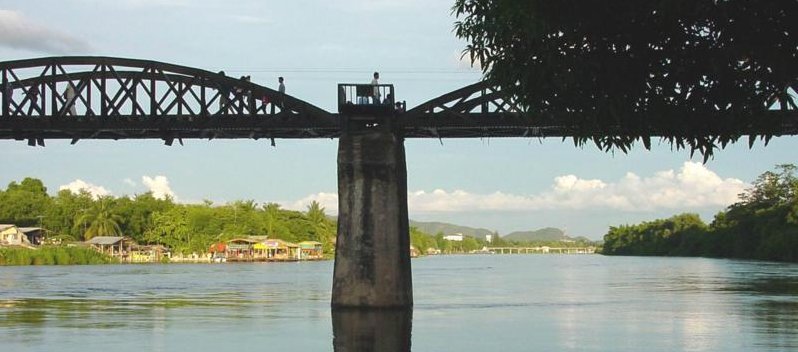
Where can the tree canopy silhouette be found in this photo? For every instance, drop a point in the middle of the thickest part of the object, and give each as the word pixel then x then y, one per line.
pixel 697 71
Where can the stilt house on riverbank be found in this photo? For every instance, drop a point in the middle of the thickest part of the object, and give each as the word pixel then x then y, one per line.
pixel 263 249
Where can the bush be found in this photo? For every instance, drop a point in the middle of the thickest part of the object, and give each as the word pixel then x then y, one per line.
pixel 53 256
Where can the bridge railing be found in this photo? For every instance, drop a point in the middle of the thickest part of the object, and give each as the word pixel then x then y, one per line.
pixel 366 99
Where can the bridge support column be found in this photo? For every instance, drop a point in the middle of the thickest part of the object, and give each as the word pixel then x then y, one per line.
pixel 372 253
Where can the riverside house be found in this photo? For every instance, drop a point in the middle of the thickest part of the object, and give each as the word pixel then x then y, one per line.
pixel 11 235
pixel 149 253
pixel 114 246
pixel 261 249
pixel 310 250
pixel 279 250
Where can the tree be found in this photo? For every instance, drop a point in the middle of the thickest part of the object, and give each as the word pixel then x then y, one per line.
pixel 322 226
pixel 171 229
pixel 699 70
pixel 23 203
pixel 101 219
pixel 61 215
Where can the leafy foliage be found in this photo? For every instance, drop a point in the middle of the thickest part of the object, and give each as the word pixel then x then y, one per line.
pixel 761 226
pixel 53 256
pixel 698 70
pixel 185 228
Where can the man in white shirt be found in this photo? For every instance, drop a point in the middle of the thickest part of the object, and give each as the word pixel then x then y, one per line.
pixel 374 82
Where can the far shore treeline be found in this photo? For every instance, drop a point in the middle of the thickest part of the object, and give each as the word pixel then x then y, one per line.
pixel 186 228
pixel 762 225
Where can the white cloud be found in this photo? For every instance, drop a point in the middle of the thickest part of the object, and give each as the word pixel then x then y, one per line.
pixel 159 186
pixel 129 182
pixel 78 185
pixel 329 201
pixel 692 187
pixel 20 32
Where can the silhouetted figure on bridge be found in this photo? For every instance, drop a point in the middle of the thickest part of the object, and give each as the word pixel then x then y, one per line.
pixel 281 89
pixel 69 97
pixel 224 97
pixel 33 100
pixel 375 82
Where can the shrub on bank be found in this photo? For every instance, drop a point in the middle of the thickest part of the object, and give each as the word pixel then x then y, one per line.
pixel 53 256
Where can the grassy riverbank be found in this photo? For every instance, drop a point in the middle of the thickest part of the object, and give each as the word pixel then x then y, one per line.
pixel 53 256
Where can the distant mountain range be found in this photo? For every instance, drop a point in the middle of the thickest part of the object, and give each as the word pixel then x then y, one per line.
pixel 544 234
pixel 433 228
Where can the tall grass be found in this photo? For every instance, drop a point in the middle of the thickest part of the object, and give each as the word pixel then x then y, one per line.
pixel 53 256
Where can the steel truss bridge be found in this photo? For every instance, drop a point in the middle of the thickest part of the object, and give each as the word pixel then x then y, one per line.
pixel 115 98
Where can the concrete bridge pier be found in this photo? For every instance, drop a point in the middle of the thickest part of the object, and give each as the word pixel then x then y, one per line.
pixel 372 253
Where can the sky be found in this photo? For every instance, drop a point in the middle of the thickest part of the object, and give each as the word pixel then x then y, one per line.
pixel 501 184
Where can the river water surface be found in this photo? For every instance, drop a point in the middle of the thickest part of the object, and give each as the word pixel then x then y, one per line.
pixel 462 303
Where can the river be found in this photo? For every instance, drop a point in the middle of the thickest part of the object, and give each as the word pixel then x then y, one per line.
pixel 462 303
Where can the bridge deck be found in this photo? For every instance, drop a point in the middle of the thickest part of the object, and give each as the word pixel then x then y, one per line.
pixel 113 98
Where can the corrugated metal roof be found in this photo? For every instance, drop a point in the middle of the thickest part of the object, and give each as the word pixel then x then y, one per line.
pixel 30 229
pixel 105 240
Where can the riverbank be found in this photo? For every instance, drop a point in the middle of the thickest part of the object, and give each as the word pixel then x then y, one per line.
pixel 53 256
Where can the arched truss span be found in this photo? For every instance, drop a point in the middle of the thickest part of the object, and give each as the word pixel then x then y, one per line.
pixel 483 110
pixel 116 98
pixel 477 110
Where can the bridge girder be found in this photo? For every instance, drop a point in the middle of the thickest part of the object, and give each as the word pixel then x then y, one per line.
pixel 117 98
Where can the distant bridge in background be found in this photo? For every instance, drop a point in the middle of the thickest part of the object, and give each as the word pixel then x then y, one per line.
pixel 542 250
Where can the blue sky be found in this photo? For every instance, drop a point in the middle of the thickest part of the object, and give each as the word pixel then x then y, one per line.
pixel 501 184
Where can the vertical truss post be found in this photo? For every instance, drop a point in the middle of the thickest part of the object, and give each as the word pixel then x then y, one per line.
pixel 54 93
pixel 6 94
pixel 103 93
pixel 153 99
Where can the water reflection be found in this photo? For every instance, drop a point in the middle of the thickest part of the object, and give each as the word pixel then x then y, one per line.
pixel 360 330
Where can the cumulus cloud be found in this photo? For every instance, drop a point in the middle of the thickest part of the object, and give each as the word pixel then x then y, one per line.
pixel 693 186
pixel 78 185
pixel 20 32
pixel 129 182
pixel 329 201
pixel 159 186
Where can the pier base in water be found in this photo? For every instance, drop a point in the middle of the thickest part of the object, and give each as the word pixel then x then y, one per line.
pixel 372 253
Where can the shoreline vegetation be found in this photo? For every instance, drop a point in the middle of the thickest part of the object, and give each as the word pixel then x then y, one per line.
pixel 763 225
pixel 190 232
pixel 53 255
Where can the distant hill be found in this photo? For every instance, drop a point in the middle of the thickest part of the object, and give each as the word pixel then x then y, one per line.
pixel 544 234
pixel 433 228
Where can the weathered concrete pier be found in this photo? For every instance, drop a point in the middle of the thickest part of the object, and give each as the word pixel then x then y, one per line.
pixel 372 256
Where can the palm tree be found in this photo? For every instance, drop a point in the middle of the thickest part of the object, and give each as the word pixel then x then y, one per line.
pixel 320 222
pixel 101 221
pixel 272 211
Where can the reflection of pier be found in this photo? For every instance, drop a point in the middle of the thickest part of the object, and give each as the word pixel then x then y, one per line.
pixel 372 330
pixel 542 250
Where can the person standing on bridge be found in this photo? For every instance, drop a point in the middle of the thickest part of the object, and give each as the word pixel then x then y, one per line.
pixel 69 96
pixel 33 100
pixel 375 82
pixel 224 96
pixel 281 89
